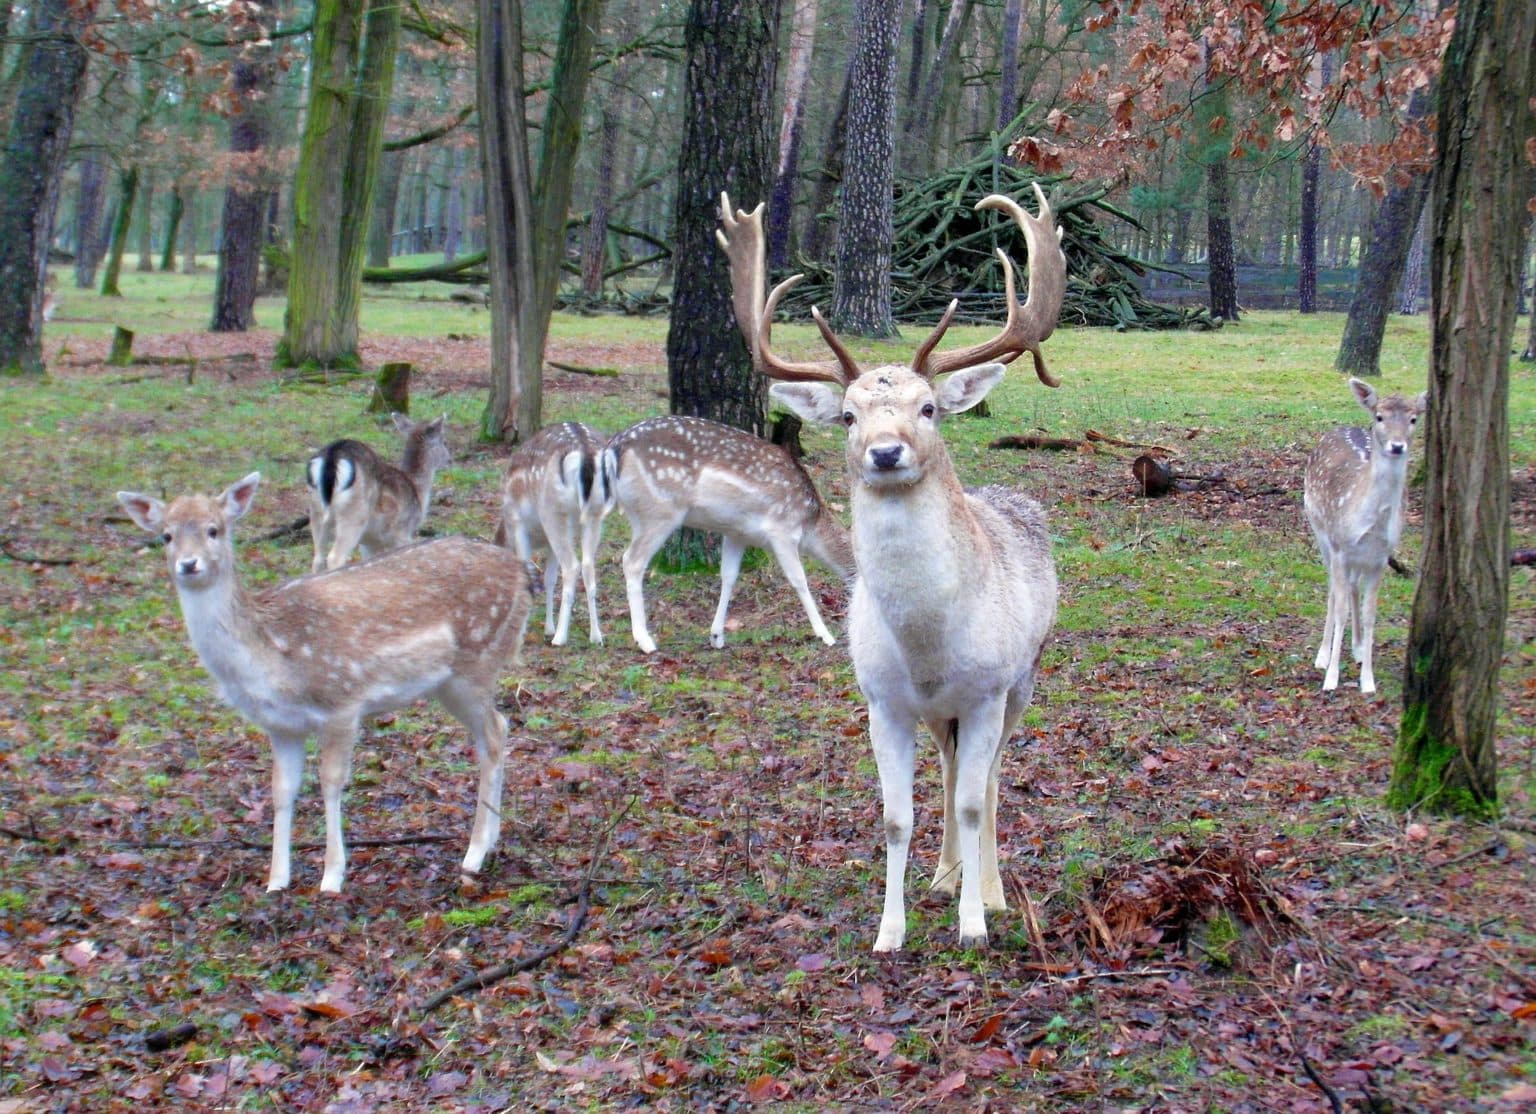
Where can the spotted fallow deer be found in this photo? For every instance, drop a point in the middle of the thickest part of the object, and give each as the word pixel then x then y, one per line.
pixel 1353 497
pixel 360 501
pixel 956 589
pixel 554 498
pixel 317 655
pixel 678 471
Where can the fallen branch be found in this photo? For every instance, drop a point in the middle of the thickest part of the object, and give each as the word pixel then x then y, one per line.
pixel 578 919
pixel 29 559
pixel 1034 441
pixel 280 533
pixel 1095 435
pixel 604 372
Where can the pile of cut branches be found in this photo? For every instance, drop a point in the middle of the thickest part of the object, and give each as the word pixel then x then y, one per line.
pixel 944 249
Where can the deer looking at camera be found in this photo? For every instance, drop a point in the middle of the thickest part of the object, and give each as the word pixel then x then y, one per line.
pixel 358 500
pixel 554 498
pixel 956 589
pixel 1353 498
pixel 317 655
pixel 676 471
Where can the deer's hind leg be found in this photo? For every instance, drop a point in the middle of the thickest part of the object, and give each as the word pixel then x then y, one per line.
pixel 473 704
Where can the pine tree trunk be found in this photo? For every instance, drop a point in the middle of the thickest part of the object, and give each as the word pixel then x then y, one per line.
pixel 1409 290
pixel 1311 171
pixel 594 255
pixel 88 221
pixel 243 231
pixel 1381 269
pixel 861 295
pixel 127 190
pixel 727 110
pixel 781 201
pixel 1222 278
pixel 50 75
pixel 1446 760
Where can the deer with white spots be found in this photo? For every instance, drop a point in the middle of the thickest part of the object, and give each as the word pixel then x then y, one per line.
pixel 677 471
pixel 1353 497
pixel 317 655
pixel 956 589
pixel 554 498
pixel 358 500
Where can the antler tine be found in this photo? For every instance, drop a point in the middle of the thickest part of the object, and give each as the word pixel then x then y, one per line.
pixel 920 361
pixel 1030 324
pixel 845 371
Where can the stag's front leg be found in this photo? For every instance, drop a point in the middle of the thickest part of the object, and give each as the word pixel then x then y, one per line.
pixel 893 735
pixel 474 705
pixel 975 759
pixel 337 738
pixel 287 773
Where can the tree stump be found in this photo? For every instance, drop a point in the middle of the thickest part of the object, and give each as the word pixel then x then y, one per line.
pixel 392 390
pixel 1154 476
pixel 122 347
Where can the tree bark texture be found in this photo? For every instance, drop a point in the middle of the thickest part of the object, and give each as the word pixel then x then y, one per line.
pixel 781 202
pixel 1311 172
pixel 1412 283
pixel 727 112
pixel 594 255
pixel 861 297
pixel 1222 263
pixel 1008 88
pixel 818 231
pixel 247 195
pixel 93 180
pixel 1381 267
pixel 173 214
pixel 51 71
pixel 146 253
pixel 1446 758
pixel 127 190
pixel 386 196
pixel 508 181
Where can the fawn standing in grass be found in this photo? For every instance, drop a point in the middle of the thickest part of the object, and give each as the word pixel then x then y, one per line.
pixel 1353 497
pixel 358 500
pixel 554 498
pixel 316 655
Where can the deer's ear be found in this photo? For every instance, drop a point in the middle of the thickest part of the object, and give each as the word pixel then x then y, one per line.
pixel 968 386
pixel 1422 402
pixel 815 402
pixel 237 497
pixel 402 423
pixel 147 512
pixel 1365 394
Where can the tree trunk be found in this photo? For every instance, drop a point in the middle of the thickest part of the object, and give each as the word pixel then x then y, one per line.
pixel 817 230
pixel 594 255
pixel 1311 171
pixel 381 231
pixel 1381 266
pixel 861 296
pixel 919 133
pixel 1008 90
pixel 88 221
pixel 1222 277
pixel 1412 284
pixel 247 196
pixel 1445 760
pixel 189 236
pixel 453 208
pixel 172 227
pixel 727 109
pixel 781 201
pixel 146 260
pixel 127 190
pixel 36 144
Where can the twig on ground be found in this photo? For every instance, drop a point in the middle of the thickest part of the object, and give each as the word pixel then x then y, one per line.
pixel 292 529
pixel 6 549
pixel 573 926
pixel 1306 1065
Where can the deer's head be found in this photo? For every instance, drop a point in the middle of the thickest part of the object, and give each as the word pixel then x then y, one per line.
pixel 195 529
pixel 1392 418
pixel 892 413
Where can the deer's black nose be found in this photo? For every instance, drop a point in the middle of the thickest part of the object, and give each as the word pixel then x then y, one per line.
pixel 885 457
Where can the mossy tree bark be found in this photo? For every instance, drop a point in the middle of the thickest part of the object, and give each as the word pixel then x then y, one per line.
pixel 127 191
pixel 1446 758
pixel 352 72
pixel 50 73
pixel 727 113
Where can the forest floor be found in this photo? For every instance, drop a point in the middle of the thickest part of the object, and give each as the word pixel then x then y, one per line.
pixel 1209 908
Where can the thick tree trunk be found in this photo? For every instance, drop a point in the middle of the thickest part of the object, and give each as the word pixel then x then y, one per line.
pixel 1412 284
pixel 1222 270
pixel 246 196
pixel 88 221
pixel 51 70
pixel 861 296
pixel 727 110
pixel 1446 760
pixel 1008 89
pixel 173 215
pixel 127 190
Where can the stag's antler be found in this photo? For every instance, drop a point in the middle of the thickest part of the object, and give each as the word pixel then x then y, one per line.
pixel 1027 325
pixel 754 317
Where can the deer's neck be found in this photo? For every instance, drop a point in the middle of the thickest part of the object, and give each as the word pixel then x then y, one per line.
pixel 224 626
pixel 916 547
pixel 1381 506
pixel 418 467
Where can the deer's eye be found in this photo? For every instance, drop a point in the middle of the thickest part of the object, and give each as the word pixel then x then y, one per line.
pixel 213 531
pixel 166 537
pixel 1379 419
pixel 928 410
pixel 848 417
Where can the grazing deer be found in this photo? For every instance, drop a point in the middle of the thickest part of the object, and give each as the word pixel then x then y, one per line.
pixel 358 500
pixel 1353 497
pixel 679 471
pixel 956 589
pixel 318 654
pixel 554 497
